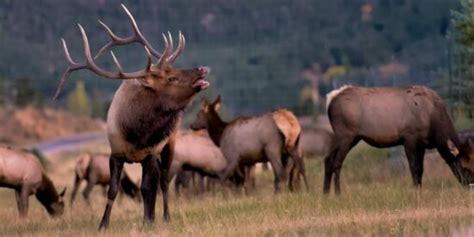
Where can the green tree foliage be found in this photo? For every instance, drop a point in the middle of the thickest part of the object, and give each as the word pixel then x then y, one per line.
pixel 463 81
pixel 25 93
pixel 78 100
pixel 257 49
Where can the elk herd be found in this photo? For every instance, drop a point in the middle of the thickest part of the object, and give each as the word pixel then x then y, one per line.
pixel 143 127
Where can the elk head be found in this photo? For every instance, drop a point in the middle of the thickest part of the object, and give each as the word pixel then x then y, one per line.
pixel 160 77
pixel 464 160
pixel 207 112
pixel 57 208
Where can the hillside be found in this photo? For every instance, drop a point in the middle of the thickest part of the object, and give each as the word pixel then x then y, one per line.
pixel 30 125
pixel 260 51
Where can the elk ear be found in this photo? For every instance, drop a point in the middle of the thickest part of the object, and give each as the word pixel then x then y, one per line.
pixel 63 192
pixel 217 103
pixel 204 105
pixel 452 148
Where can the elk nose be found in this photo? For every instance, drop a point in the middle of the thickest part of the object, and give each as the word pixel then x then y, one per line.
pixel 204 70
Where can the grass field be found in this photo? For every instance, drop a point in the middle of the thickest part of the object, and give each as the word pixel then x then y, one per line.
pixel 377 200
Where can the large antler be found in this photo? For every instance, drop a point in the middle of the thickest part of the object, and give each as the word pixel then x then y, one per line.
pixel 120 74
pixel 138 37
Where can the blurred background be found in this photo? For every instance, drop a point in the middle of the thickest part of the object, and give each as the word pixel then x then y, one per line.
pixel 264 54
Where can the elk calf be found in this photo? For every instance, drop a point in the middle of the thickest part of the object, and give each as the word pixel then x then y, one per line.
pixel 94 169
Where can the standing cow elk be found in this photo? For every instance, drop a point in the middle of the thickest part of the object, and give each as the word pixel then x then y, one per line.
pixel 414 117
pixel 94 169
pixel 22 171
pixel 144 114
pixel 272 137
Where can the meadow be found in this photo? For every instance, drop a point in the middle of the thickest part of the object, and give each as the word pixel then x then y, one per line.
pixel 377 200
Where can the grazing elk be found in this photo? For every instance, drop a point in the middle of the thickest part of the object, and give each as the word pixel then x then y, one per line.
pixel 414 117
pixel 144 114
pixel 94 169
pixel 272 137
pixel 21 170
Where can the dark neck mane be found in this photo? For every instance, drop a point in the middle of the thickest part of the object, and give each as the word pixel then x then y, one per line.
pixel 215 127
pixel 47 194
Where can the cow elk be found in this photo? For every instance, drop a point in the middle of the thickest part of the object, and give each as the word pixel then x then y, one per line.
pixel 144 114
pixel 414 117
pixel 94 169
pixel 21 170
pixel 245 141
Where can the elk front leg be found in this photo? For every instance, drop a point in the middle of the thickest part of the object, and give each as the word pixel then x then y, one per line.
pixel 116 166
pixel 21 202
pixel 415 155
pixel 149 186
pixel 166 159
pixel 77 183
pixel 88 190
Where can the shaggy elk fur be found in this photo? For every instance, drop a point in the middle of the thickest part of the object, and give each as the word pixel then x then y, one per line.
pixel 144 114
pixel 414 117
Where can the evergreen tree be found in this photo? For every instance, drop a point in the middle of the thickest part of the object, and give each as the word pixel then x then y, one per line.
pixel 462 89
pixel 78 100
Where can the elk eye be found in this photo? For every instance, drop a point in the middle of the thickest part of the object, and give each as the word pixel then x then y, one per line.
pixel 172 78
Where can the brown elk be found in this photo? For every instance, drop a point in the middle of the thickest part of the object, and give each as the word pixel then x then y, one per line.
pixel 272 137
pixel 144 114
pixel 21 170
pixel 414 117
pixel 196 152
pixel 94 169
pixel 316 141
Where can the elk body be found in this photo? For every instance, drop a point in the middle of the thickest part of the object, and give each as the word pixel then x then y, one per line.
pixel 21 170
pixel 94 169
pixel 316 141
pixel 144 114
pixel 414 117
pixel 272 137
pixel 196 152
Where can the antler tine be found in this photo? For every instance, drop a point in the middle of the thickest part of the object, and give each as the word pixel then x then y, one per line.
pixel 136 37
pixel 148 62
pixel 181 44
pixel 165 52
pixel 89 61
pixel 170 37
pixel 117 63
pixel 72 67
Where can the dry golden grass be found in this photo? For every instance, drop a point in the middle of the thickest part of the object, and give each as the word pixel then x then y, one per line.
pixel 377 200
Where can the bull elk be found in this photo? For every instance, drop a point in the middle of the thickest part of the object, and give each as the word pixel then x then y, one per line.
pixel 145 112
pixel 272 137
pixel 414 117
pixel 94 169
pixel 21 170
